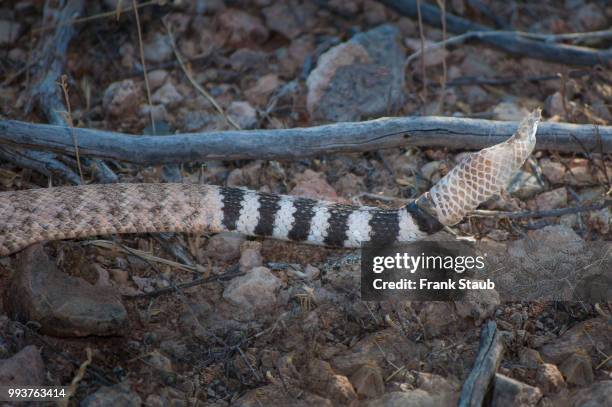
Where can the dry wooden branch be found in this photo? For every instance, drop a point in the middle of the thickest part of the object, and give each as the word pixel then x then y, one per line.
pixel 512 42
pixel 43 162
pixel 46 93
pixel 487 361
pixel 450 132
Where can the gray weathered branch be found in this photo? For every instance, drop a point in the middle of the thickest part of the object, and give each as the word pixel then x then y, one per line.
pixel 511 42
pixel 490 353
pixel 47 95
pixel 453 133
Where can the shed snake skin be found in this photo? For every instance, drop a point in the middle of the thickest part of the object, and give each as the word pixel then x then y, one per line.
pixel 36 215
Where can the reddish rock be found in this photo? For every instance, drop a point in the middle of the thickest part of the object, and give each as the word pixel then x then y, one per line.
pixel 553 171
pixel 242 27
pixel 557 198
pixel 310 184
pixel 549 378
pixel 259 93
pixel 322 380
pixel 282 18
pixel 25 368
pixel 368 381
pixel 510 392
pixel 225 246
pixel 121 98
pixel 250 256
pixel 256 290
pixel 63 305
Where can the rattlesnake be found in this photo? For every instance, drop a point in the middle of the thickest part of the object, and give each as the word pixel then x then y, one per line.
pixel 36 215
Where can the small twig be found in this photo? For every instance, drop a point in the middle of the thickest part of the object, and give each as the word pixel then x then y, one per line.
pixel 97 16
pixel 577 37
pixel 196 85
pixel 456 40
pixel 606 360
pixel 77 378
pixel 422 38
pixel 64 86
pixel 193 283
pixel 481 213
pixel 107 244
pixel 144 64
pixel 166 240
pixel 442 5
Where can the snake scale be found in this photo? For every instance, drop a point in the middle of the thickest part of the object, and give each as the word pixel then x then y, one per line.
pixel 36 215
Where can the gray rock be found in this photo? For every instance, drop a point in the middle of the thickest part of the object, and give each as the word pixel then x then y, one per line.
pixel 510 392
pixel 577 370
pixel 117 395
pixel 9 31
pixel 582 337
pixel 157 78
pixel 398 350
pixel 368 381
pixel 554 105
pixel 509 111
pixel 63 305
pixel 359 78
pixel 439 318
pixel 553 251
pixel 478 305
pixel 413 398
pixel 167 95
pixel 589 17
pixel 243 114
pixel 25 368
pixel 530 358
pixel 201 121
pixel 444 389
pixel 158 361
pixel 524 185
pixel 599 394
pixel 157 48
pixel 255 290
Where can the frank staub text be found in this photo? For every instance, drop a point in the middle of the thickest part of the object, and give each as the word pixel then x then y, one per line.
pixel 404 271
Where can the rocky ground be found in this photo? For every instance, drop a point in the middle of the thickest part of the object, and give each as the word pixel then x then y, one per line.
pixel 250 322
